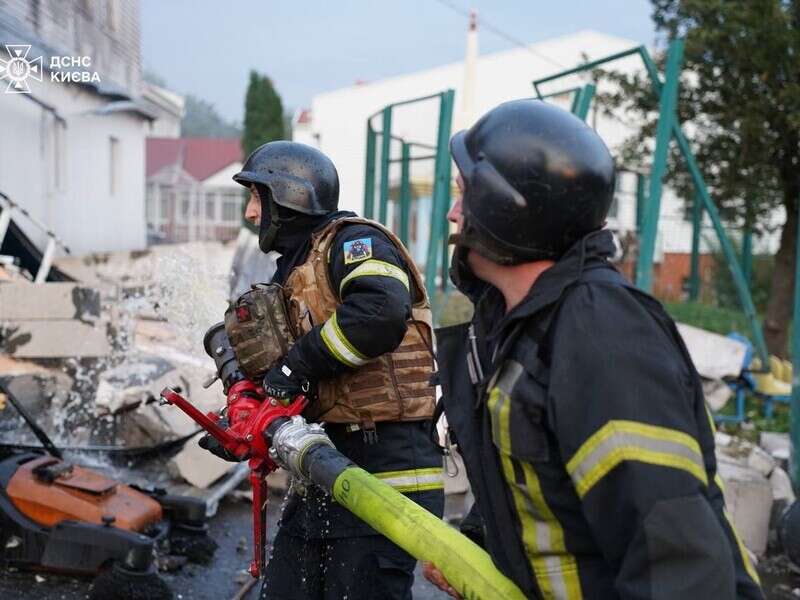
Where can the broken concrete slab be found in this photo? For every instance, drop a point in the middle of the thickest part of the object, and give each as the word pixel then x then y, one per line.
pixel 761 461
pixel 48 301
pixel 716 392
pixel 53 339
pixel 777 444
pixel 199 467
pixel 748 496
pixel 715 356
pixel 781 486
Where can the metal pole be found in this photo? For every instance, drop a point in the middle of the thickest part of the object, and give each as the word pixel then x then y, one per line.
pixel 747 255
pixel 641 201
pixel 584 101
pixel 369 176
pixel 708 205
pixel 405 193
pixel 576 100
pixel 794 467
pixel 5 221
pixel 440 193
pixel 386 149
pixel 47 261
pixel 584 67
pixel 694 276
pixel 727 248
pixel 667 105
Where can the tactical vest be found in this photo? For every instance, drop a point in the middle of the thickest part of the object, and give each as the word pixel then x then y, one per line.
pixel 393 387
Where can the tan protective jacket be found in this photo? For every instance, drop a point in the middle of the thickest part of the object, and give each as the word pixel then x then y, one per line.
pixel 393 387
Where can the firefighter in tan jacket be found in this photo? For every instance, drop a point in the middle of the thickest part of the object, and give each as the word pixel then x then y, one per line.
pixel 358 308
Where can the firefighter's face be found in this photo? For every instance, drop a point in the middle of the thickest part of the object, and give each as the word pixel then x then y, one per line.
pixel 253 210
pixel 455 215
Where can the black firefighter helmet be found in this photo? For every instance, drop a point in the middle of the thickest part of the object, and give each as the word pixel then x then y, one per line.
pixel 295 176
pixel 536 178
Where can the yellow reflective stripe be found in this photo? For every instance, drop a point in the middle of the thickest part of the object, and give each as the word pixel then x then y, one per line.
pixel 555 570
pixel 413 480
pixel 339 345
pixel 378 268
pixel 619 441
pixel 748 566
pixel 711 421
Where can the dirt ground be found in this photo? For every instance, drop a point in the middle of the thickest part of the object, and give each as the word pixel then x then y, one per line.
pixel 221 580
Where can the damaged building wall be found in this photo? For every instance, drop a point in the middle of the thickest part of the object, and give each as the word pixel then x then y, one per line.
pixel 77 157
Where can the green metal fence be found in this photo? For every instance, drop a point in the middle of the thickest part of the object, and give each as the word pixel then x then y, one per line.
pixel 668 129
pixel 437 253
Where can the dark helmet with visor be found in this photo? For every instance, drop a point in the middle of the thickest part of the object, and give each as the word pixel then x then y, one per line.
pixel 295 176
pixel 537 179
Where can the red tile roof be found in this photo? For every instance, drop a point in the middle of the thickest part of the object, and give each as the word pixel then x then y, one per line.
pixel 200 157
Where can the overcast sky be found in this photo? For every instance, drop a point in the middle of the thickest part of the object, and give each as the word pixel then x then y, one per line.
pixel 208 47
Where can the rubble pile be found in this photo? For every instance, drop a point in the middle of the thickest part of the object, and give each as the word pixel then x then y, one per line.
pixel 88 358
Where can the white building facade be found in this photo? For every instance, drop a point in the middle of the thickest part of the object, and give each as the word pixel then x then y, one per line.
pixel 73 153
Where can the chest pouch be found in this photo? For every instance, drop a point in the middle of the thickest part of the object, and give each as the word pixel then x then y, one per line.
pixel 258 328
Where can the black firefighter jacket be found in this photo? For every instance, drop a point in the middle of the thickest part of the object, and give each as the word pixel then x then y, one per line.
pixel 588 443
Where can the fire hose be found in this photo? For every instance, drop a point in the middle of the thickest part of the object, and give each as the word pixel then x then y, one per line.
pixel 277 434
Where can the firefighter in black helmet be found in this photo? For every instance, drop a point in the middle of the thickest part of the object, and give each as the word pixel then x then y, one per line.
pixel 571 396
pixel 343 279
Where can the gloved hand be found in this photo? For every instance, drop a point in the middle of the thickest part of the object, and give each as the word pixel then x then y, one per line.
pixel 282 384
pixel 210 443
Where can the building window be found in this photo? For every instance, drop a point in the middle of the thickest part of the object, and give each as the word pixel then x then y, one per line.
pixel 150 204
pixel 231 207
pixel 164 198
pixel 113 164
pixel 185 205
pixel 211 208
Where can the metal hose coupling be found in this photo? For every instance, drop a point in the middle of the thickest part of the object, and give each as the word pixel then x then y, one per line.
pixel 292 441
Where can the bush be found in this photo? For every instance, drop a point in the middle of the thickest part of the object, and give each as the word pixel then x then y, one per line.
pixel 710 318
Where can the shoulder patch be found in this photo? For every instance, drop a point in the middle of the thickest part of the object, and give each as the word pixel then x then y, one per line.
pixel 357 250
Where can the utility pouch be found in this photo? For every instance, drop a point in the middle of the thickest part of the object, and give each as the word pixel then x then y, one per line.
pixel 259 329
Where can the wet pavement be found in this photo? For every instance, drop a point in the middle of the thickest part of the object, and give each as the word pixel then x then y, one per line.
pixel 220 580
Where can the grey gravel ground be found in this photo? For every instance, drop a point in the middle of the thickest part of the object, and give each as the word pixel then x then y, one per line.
pixel 218 581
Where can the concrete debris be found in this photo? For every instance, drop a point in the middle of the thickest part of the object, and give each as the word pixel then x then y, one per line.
pixel 777 444
pixel 748 496
pixel 722 440
pixel 132 269
pixel 51 320
pixel 781 486
pixel 715 356
pixel 761 461
pixel 51 301
pixel 716 392
pixel 53 339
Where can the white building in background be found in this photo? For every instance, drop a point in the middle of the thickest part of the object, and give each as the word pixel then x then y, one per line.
pixel 168 108
pixel 191 195
pixel 72 150
pixel 336 123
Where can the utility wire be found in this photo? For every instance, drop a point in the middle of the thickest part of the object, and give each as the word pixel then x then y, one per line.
pixel 499 32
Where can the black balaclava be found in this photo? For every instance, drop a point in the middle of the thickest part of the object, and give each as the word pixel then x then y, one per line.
pixel 282 229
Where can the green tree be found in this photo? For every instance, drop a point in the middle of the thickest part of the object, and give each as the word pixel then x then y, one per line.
pixel 263 114
pixel 740 101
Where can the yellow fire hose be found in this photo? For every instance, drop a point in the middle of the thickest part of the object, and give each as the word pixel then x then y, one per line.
pixel 465 565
